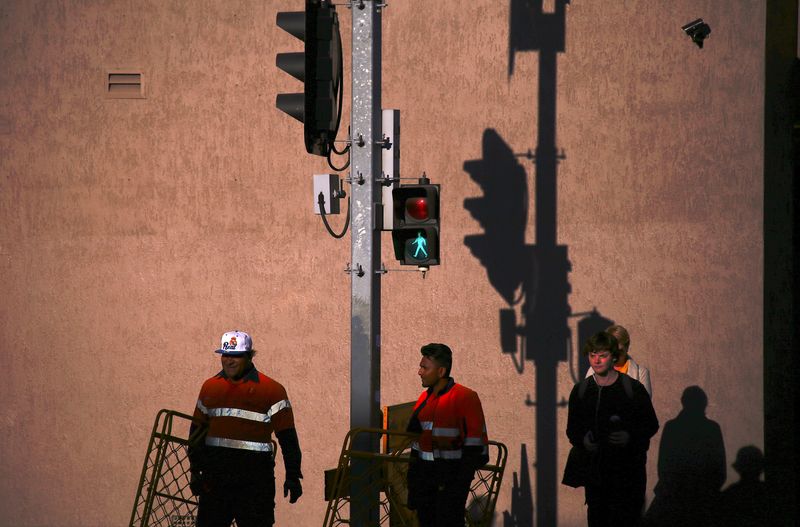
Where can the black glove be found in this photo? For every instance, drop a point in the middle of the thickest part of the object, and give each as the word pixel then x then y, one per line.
pixel 293 489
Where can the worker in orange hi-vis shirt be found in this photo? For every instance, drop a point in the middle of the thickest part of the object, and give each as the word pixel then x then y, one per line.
pixel 452 444
pixel 233 467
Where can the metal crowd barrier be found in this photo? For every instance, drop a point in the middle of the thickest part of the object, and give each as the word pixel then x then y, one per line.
pixel 163 498
pixel 385 474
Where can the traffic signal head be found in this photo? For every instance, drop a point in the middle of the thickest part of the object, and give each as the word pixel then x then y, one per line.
pixel 415 231
pixel 319 67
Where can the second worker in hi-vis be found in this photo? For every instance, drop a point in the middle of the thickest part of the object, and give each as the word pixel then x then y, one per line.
pixel 452 444
pixel 233 466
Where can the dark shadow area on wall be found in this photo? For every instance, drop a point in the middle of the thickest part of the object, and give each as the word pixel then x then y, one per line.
pixel 531 29
pixel 691 466
pixel 531 278
pixel 521 514
pixel 502 212
pixel 781 324
pixel 742 503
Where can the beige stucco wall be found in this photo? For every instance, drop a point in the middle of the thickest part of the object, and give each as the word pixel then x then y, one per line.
pixel 133 232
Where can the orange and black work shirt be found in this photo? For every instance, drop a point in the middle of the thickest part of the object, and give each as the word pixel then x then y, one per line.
pixel 244 414
pixel 449 421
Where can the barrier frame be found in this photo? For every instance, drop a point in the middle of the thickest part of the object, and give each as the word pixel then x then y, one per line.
pixel 394 458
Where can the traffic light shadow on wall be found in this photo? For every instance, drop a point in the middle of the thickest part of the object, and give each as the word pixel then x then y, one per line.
pixel 415 232
pixel 319 67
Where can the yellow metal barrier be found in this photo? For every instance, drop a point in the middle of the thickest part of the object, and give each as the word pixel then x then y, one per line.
pixel 163 498
pixel 486 487
pixel 386 472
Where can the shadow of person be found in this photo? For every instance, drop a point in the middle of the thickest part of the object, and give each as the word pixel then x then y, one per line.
pixel 691 466
pixel 743 504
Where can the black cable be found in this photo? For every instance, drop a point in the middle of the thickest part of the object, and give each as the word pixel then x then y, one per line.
pixel 339 121
pixel 321 202
pixel 333 145
pixel 339 117
pixel 341 91
pixel 338 169
pixel 343 152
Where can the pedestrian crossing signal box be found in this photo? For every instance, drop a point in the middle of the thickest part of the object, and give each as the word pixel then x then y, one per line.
pixel 415 231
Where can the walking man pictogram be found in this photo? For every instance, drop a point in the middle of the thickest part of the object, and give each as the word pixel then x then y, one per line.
pixel 421 244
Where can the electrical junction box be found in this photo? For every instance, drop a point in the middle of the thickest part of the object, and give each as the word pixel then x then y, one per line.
pixel 330 187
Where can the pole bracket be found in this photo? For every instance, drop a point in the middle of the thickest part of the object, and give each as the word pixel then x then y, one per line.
pixel 385 143
pixel 358 270
pixel 359 179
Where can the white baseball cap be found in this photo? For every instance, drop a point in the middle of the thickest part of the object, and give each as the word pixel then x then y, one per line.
pixel 235 343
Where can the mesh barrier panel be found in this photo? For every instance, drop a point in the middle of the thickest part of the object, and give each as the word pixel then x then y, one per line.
pixel 486 487
pixel 383 476
pixel 163 498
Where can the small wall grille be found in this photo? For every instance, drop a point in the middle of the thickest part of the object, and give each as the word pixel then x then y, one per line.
pixel 125 85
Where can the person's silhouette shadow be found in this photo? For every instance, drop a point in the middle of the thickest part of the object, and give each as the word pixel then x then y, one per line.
pixel 744 503
pixel 691 466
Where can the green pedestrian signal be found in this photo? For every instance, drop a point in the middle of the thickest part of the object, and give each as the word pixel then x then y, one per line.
pixel 420 242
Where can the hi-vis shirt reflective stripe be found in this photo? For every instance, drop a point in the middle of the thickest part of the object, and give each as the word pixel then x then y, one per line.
pixel 245 414
pixel 436 454
pixel 238 443
pixel 445 432
pixel 439 431
pixel 255 446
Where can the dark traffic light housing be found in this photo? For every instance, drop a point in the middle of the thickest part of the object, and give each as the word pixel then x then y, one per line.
pixel 320 69
pixel 415 231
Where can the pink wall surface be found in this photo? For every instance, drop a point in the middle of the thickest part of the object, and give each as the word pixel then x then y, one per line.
pixel 133 232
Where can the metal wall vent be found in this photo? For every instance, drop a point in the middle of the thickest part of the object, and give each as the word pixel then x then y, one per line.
pixel 125 85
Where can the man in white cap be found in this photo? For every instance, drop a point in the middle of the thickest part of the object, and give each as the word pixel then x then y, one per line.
pixel 232 465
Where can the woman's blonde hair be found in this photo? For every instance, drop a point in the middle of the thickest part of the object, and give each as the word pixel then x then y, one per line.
pixel 621 335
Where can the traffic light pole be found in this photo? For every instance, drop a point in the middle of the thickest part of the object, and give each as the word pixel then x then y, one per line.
pixel 319 67
pixel 365 218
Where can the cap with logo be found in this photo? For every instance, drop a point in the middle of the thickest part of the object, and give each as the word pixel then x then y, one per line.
pixel 235 343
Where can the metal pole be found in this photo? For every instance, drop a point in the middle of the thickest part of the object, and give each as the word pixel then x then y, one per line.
pixel 365 325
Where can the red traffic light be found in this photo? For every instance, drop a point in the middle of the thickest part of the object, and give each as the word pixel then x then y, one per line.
pixel 417 208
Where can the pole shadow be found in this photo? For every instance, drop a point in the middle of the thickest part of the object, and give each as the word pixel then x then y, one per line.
pixel 531 278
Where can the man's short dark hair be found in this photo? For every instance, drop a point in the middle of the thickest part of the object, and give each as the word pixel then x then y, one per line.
pixel 440 354
pixel 602 341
